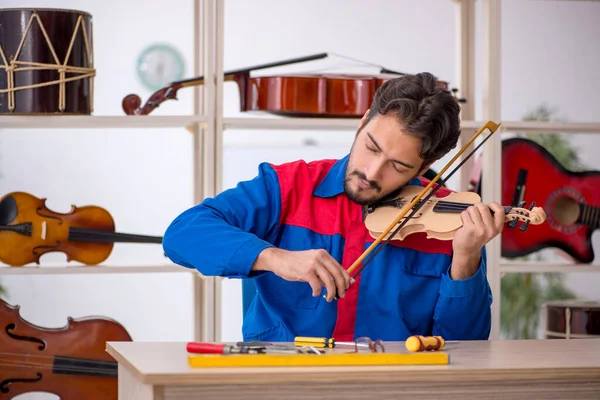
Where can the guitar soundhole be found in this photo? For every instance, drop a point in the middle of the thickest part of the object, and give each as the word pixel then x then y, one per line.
pixel 566 211
pixel 563 207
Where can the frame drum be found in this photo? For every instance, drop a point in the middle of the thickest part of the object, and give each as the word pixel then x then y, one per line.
pixel 572 319
pixel 46 61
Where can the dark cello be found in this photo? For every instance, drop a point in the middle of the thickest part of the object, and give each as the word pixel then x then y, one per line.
pixel 28 229
pixel 299 95
pixel 70 362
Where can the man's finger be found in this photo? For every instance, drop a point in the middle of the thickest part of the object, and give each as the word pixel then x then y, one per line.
pixel 466 218
pixel 475 216
pixel 315 283
pixel 486 217
pixel 499 215
pixel 338 275
pixel 327 280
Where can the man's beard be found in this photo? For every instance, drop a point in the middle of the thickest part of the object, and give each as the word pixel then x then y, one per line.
pixel 356 196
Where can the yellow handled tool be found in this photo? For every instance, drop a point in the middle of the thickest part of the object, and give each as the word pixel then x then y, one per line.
pixel 421 343
pixel 321 342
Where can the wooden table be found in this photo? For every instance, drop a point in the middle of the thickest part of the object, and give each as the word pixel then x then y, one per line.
pixel 524 369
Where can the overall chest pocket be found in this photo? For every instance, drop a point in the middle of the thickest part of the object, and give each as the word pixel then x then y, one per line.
pixel 291 294
pixel 421 278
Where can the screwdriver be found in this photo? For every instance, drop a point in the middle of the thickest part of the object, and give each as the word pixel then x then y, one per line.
pixel 321 342
pixel 222 348
pixel 417 343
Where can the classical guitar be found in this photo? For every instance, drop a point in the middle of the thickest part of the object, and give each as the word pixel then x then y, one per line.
pixel 28 229
pixel 572 200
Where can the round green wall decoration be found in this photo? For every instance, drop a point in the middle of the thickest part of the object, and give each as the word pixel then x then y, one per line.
pixel 158 65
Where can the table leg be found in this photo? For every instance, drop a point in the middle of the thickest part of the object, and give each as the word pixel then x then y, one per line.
pixel 130 388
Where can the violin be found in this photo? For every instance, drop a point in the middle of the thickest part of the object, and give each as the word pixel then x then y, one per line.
pixel 70 362
pixel 416 209
pixel 439 217
pixel 294 95
pixel 28 229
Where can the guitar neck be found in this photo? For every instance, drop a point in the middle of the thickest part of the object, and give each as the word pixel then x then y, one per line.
pixel 100 236
pixel 589 216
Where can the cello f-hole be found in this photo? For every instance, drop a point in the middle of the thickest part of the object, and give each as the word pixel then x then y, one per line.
pixel 4 384
pixel 10 327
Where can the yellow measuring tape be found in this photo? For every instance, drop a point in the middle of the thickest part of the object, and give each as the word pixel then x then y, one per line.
pixel 313 360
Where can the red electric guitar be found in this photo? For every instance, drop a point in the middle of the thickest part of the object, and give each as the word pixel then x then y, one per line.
pixel 571 200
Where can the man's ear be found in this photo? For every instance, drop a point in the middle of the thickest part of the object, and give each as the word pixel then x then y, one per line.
pixel 364 118
pixel 361 123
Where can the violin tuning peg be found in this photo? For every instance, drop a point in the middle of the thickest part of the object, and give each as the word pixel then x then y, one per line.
pixel 532 205
pixel 521 204
pixel 513 223
pixel 524 226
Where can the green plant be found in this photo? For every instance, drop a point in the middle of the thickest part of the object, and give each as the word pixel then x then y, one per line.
pixel 522 294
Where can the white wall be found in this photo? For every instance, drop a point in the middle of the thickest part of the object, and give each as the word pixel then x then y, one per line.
pixel 549 56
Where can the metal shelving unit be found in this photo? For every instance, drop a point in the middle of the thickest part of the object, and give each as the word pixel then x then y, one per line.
pixel 208 124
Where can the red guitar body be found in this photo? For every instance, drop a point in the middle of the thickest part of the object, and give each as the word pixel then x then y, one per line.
pixel 570 199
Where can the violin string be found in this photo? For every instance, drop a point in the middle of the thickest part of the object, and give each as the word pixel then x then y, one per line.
pixel 416 209
pixel 102 366
pixel 33 365
pixel 83 234
pixel 33 356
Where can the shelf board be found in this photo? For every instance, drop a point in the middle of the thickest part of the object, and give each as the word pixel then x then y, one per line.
pixel 85 269
pixel 288 123
pixel 97 122
pixel 551 127
pixel 541 267
pixel 352 123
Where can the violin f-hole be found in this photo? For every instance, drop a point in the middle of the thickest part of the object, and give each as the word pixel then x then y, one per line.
pixel 10 327
pixel 41 214
pixel 39 250
pixel 5 383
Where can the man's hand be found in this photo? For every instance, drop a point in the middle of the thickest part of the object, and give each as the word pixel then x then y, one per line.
pixel 317 267
pixel 479 227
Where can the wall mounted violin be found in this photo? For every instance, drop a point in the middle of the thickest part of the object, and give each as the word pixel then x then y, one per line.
pixel 70 362
pixel 296 95
pixel 28 229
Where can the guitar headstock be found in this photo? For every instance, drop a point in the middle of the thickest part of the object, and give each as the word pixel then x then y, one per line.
pixel 532 215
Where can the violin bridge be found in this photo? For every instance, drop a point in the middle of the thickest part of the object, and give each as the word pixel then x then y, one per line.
pixel 43 230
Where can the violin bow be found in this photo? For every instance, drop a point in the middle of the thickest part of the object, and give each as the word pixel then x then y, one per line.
pixel 416 204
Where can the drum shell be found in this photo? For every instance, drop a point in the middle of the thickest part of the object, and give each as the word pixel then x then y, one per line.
pixel 572 319
pixel 60 26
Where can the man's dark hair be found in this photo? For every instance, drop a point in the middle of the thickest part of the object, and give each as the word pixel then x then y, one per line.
pixel 423 109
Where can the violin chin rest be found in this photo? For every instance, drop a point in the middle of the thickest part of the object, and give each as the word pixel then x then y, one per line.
pixel 8 210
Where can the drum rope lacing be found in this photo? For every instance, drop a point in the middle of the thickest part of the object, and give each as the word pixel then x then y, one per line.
pixel 12 66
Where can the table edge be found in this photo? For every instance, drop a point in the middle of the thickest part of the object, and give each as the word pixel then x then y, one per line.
pixel 290 375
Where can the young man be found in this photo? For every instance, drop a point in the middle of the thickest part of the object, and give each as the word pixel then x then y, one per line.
pixel 297 227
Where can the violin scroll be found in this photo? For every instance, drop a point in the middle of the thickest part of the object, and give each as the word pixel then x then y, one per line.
pixel 533 215
pixel 132 102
